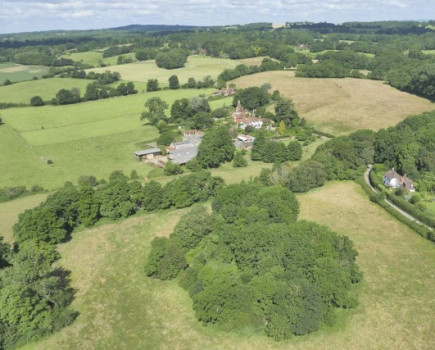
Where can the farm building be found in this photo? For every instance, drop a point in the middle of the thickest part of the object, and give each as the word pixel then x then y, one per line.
pixel 393 180
pixel 182 152
pixel 147 153
pixel 244 141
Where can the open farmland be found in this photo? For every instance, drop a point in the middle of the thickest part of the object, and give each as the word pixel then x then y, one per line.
pixel 341 106
pixel 121 308
pixel 17 72
pixel 197 67
pixel 45 88
pixel 94 58
pixel 91 138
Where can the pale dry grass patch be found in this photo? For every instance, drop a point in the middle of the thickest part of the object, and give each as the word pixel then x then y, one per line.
pixel 9 212
pixel 341 106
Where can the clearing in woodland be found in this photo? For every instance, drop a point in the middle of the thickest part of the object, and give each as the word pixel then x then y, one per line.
pixel 121 308
pixel 341 106
pixel 196 67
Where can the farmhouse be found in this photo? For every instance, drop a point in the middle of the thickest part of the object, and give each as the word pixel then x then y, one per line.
pixel 243 118
pixel 147 153
pixel 226 91
pixel 393 180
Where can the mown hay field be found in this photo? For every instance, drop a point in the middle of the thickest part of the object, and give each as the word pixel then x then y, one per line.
pixel 17 72
pixel 121 308
pixel 341 106
pixel 196 67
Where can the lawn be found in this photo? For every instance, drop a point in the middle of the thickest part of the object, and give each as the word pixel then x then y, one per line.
pixel 9 212
pixel 45 88
pixel 197 67
pixel 341 106
pixel 121 308
pixel 17 72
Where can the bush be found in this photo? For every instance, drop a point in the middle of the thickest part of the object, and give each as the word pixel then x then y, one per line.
pixel 173 169
pixel 85 180
pixel 239 160
pixel 36 101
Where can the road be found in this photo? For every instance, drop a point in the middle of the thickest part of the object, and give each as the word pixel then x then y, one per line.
pixel 401 211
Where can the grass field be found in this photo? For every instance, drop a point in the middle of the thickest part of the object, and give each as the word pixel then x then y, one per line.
pixel 340 106
pixel 428 52
pixel 197 67
pixel 254 61
pixel 9 212
pixel 17 72
pixel 45 88
pixel 95 58
pixel 121 308
pixel 92 138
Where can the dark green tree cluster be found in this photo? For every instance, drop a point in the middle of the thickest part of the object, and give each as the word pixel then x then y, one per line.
pixel 175 58
pixel 193 113
pixel 117 50
pixel 65 97
pixel 105 78
pixel 252 98
pixel 271 151
pixel 152 85
pixel 216 148
pixel 94 91
pixel 251 265
pixel 33 295
pixel 409 147
pixel 10 193
pixel 346 157
pixel 36 101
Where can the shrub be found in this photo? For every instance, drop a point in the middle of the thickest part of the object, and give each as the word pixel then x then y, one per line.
pixel 173 169
pixel 36 101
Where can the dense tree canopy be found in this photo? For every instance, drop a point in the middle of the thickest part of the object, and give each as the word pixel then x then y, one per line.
pixel 250 265
pixel 216 148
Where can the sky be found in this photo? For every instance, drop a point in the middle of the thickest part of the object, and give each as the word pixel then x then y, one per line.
pixel 40 15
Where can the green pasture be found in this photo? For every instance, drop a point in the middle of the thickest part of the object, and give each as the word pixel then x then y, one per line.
pixel 91 138
pixel 17 72
pixel 428 52
pixel 46 117
pixel 95 58
pixel 197 67
pixel 45 88
pixel 120 308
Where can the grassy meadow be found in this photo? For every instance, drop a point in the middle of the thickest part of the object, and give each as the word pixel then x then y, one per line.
pixel 121 308
pixel 341 106
pixel 197 67
pixel 17 72
pixel 45 88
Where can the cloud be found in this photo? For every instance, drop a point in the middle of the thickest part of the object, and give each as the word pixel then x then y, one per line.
pixel 27 15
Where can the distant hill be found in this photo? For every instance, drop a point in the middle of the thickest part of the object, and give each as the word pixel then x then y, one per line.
pixel 154 28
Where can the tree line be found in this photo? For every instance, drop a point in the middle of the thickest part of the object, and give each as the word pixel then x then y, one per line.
pixel 35 294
